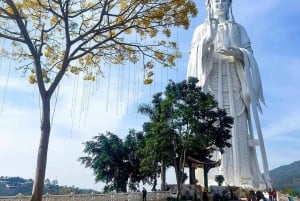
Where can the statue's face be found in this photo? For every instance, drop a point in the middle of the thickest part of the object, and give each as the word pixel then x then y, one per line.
pixel 220 7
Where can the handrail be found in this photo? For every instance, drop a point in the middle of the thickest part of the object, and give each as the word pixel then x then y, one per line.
pixel 132 196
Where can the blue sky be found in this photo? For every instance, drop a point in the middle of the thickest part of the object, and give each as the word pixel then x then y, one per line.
pixel 274 29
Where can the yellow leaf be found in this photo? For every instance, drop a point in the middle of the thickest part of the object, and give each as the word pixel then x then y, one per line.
pixel 53 20
pixel 32 79
pixel 149 74
pixel 148 81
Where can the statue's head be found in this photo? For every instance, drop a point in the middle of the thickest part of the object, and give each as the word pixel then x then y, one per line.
pixel 207 2
pixel 219 7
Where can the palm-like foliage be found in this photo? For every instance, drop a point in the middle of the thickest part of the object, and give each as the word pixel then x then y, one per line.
pixel 158 137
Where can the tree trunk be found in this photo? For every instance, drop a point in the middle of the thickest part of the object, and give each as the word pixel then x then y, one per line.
pixel 178 179
pixel 192 174
pixel 124 187
pixel 163 176
pixel 154 184
pixel 205 170
pixel 38 185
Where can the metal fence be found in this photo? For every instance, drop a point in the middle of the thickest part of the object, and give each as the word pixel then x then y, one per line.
pixel 151 196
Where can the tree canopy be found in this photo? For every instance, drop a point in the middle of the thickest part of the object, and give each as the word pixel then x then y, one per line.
pixel 115 161
pixel 184 122
pixel 158 138
pixel 81 36
pixel 196 116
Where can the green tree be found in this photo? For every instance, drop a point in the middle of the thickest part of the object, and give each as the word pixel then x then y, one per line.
pixel 193 123
pixel 106 155
pixel 290 191
pixel 24 186
pixel 114 161
pixel 53 37
pixel 156 138
pixel 132 143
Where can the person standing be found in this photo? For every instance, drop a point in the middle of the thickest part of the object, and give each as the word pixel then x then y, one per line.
pixel 270 194
pixel 144 192
pixel 221 58
pixel 251 196
pixel 260 196
pixel 274 194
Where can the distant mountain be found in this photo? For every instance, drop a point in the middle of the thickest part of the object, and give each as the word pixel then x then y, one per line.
pixel 287 176
pixel 283 177
pixel 10 186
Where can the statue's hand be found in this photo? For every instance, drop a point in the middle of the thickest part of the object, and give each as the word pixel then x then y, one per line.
pixel 227 52
pixel 212 28
pixel 212 32
pixel 231 51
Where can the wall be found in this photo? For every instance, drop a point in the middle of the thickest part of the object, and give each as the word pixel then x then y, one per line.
pixel 159 196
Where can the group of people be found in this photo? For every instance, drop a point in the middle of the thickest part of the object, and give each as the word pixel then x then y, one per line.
pixel 259 196
pixel 272 194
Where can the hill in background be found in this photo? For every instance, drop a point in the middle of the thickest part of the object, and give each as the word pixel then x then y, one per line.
pixel 286 177
pixel 11 186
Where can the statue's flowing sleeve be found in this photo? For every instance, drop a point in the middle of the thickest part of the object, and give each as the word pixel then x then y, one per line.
pixel 200 61
pixel 252 72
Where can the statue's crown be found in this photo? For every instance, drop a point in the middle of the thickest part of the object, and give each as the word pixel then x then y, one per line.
pixel 207 2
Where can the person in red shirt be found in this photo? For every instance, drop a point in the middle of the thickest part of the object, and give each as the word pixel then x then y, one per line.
pixel 274 195
pixel 270 194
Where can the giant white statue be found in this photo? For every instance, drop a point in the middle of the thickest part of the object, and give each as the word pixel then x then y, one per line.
pixel 222 59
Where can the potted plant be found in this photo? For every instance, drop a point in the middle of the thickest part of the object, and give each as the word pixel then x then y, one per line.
pixel 219 179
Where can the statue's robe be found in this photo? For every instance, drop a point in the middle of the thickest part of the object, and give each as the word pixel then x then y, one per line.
pixel 235 84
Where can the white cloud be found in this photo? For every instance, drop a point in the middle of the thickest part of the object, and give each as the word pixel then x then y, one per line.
pixel 285 125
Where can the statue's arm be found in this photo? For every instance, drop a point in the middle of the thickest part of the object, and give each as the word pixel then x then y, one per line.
pixel 196 37
pixel 245 41
pixel 201 45
pixel 237 52
pixel 200 54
